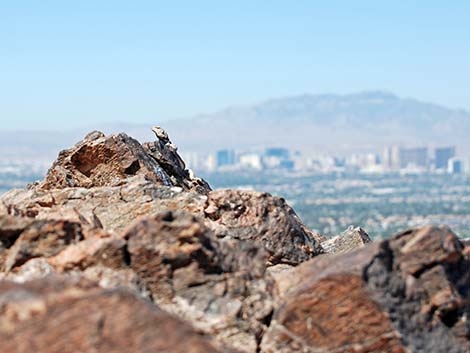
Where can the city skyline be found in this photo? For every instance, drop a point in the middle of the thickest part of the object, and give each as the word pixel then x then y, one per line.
pixel 391 159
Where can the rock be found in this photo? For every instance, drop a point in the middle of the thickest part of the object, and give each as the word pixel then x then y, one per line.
pixel 165 153
pixel 32 269
pixel 350 239
pixel 62 315
pixel 10 229
pixel 260 217
pixel 117 229
pixel 110 252
pixel 217 285
pixel 100 160
pixel 407 294
pixel 42 239
pixel 114 207
pixel 230 214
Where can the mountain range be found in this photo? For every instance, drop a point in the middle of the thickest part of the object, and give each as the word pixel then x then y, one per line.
pixel 327 123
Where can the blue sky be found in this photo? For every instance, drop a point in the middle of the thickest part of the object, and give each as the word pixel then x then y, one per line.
pixel 74 63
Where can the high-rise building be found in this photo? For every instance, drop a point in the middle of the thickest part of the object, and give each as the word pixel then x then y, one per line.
pixel 391 158
pixel 278 152
pixel 251 160
pixel 442 155
pixel 225 157
pixel 455 166
pixel 415 157
pixel 277 157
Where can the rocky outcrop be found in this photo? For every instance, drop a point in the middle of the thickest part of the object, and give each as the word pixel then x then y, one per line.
pixel 120 239
pixel 101 160
pixel 111 207
pixel 407 294
pixel 89 184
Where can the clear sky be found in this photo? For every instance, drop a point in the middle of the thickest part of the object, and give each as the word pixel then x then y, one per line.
pixel 72 63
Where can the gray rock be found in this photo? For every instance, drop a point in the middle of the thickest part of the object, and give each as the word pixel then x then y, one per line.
pixel 350 239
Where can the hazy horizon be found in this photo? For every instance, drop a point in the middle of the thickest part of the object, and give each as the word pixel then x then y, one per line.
pixel 214 112
pixel 84 63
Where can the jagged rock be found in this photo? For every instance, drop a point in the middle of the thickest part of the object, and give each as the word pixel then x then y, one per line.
pixel 350 239
pixel 41 239
pixel 407 294
pixel 217 285
pixel 262 218
pixel 63 315
pixel 100 160
pixel 165 153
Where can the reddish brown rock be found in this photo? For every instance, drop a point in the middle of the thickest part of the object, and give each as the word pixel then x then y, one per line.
pixel 10 229
pixel 42 239
pixel 110 207
pixel 110 252
pixel 100 160
pixel 61 315
pixel 386 297
pixel 217 285
pixel 262 218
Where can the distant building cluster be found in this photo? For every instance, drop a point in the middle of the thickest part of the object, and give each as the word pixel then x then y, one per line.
pixel 420 159
pixel 394 159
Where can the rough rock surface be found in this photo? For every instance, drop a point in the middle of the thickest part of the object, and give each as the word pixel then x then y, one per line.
pixel 350 239
pixel 111 207
pixel 257 216
pixel 118 232
pixel 407 294
pixel 63 315
pixel 101 160
pixel 42 239
pixel 217 285
pixel 165 153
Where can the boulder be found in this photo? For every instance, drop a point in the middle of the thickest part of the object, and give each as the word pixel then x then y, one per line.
pixel 100 160
pixel 217 285
pixel 262 218
pixel 58 314
pixel 410 293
